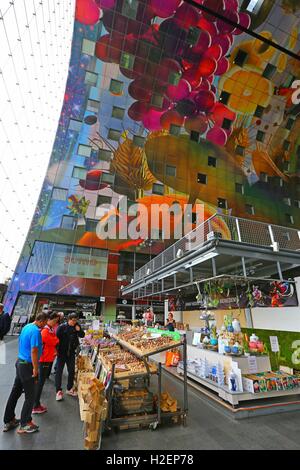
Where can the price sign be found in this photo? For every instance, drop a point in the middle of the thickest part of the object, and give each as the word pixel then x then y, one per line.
pixel 96 325
pixel 252 364
pixel 274 343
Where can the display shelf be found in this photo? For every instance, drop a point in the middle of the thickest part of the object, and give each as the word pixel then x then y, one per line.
pixel 127 374
pixel 234 398
pixel 137 352
pixel 153 419
pixel 263 362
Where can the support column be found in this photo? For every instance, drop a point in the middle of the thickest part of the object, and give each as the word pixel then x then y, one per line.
pixel 248 315
pixel 133 311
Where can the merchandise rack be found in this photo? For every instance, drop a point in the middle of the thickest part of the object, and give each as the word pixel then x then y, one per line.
pixel 153 419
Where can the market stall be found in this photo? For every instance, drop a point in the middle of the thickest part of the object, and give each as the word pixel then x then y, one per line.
pixel 122 364
pixel 236 365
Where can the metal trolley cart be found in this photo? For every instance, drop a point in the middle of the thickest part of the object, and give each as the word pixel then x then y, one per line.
pixel 152 419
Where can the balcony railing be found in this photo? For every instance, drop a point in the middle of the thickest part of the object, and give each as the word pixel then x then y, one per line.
pixel 229 228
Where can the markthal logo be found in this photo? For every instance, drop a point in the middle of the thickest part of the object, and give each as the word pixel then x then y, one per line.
pixel 133 222
pixel 296 93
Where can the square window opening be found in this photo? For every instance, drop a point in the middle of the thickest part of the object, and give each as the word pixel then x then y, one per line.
pixel 116 87
pixel 240 58
pixel 201 178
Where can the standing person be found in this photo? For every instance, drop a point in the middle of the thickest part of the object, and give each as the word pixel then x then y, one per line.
pixel 27 369
pixel 170 325
pixel 5 322
pixel 61 318
pixel 68 335
pixel 50 341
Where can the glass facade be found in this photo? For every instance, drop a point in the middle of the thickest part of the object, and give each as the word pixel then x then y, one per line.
pixel 164 102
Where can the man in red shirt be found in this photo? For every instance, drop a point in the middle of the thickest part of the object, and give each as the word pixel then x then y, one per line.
pixel 50 342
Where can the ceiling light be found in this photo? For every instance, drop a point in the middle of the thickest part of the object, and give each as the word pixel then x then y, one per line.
pixel 200 259
pixel 166 275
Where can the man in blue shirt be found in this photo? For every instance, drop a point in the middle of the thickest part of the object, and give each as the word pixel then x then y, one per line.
pixel 27 366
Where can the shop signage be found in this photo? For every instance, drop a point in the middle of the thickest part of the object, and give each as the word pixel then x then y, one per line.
pixel 96 325
pixel 274 343
pixel 252 364
pixel 228 295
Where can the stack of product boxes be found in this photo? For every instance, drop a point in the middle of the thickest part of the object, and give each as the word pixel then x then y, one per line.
pixel 270 381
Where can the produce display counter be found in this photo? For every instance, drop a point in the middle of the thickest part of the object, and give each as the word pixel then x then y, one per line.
pixel 123 361
pixel 241 363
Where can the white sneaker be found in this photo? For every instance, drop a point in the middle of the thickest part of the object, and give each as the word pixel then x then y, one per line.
pixel 59 396
pixel 72 393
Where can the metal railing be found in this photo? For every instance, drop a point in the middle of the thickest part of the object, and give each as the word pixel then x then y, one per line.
pixel 229 228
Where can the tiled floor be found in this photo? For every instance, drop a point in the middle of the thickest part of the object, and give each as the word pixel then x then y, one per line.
pixel 208 427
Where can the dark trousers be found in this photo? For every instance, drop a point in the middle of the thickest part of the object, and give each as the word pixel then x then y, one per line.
pixel 44 368
pixel 60 364
pixel 23 382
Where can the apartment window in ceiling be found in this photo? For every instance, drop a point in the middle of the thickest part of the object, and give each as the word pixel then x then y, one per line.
pixel 193 36
pixel 286 166
pixel 75 125
pixel 226 124
pixel 222 203
pixel 116 87
pixel 260 136
pixel 277 181
pixel 108 178
pixel 287 201
pixel 269 71
pixel 201 178
pixel 224 97
pixel 105 155
pixel 212 161
pixel 114 134
pixel 59 194
pixel 91 78
pixel 88 47
pixel 154 55
pixel 290 80
pixel 79 172
pixel 240 58
pixel 93 106
pixel 127 61
pixel 259 111
pixel 91 225
pixel 157 100
pixel 117 112
pixel 289 219
pixel 174 129
pixel 286 145
pixel 139 141
pixel 158 189
pixel 195 136
pixel 290 123
pixel 249 209
pixel 263 177
pixel 252 6
pixel 297 204
pixel 239 188
pixel 84 150
pixel 170 170
pixel 103 200
pixel 174 78
pixel 239 150
pixel 130 8
pixel 68 222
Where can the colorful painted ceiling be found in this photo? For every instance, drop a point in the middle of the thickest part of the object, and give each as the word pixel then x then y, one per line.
pixel 167 100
